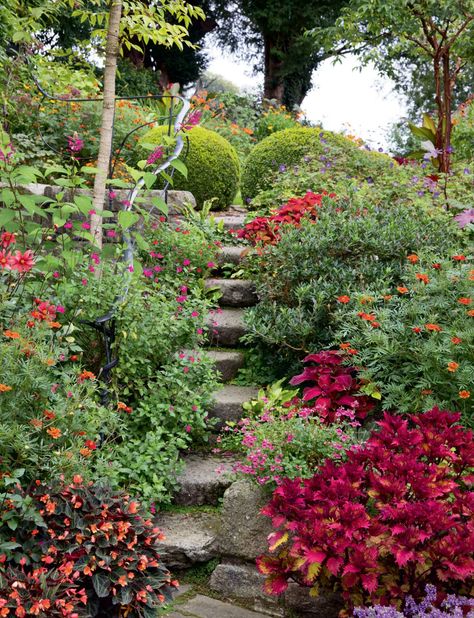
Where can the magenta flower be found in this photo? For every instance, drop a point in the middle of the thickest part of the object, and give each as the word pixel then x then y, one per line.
pixel 74 143
pixel 155 156
pixel 193 119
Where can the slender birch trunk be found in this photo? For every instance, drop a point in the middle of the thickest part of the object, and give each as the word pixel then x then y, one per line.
pixel 108 110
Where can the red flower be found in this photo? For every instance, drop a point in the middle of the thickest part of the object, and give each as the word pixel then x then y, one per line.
pixel 7 239
pixel 459 258
pixel 5 260
pixel 433 327
pixel 413 258
pixel 422 277
pixel 456 340
pixel 343 299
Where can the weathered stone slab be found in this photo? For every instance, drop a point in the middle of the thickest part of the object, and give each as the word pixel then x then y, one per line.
pixel 228 402
pixel 205 607
pixel 190 538
pixel 226 327
pixel 231 222
pixel 230 255
pixel 227 363
pixel 203 480
pixel 235 292
pixel 243 532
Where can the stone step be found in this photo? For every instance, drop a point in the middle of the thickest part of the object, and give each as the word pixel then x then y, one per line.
pixel 227 362
pixel 190 538
pixel 231 222
pixel 203 480
pixel 235 292
pixel 226 327
pixel 231 255
pixel 201 606
pixel 229 400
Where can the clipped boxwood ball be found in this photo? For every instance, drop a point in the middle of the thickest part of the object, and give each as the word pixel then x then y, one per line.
pixel 212 163
pixel 286 148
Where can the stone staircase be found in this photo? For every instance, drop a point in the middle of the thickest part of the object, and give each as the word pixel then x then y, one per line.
pixel 235 534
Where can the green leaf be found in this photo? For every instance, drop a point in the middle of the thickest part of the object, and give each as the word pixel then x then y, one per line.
pixel 429 124
pixel 180 166
pixel 149 179
pixel 422 132
pixel 101 584
pixel 160 203
pixel 6 216
pixel 127 219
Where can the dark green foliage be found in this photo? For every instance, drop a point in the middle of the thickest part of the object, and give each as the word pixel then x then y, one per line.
pixel 213 166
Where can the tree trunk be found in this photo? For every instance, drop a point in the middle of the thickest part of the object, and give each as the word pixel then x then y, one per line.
pixel 273 86
pixel 448 97
pixel 439 139
pixel 107 124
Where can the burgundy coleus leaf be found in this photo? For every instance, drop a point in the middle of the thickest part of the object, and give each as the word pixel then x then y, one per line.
pixel 275 584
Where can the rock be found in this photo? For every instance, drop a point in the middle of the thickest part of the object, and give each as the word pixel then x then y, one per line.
pixel 226 327
pixel 243 532
pixel 189 538
pixel 231 222
pixel 227 363
pixel 176 199
pixel 205 607
pixel 235 292
pixel 326 605
pixel 203 480
pixel 231 255
pixel 229 400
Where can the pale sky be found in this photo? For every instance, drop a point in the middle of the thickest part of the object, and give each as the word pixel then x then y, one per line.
pixel 342 98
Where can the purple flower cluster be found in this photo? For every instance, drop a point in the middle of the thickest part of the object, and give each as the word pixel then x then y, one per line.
pixel 155 156
pixel 452 607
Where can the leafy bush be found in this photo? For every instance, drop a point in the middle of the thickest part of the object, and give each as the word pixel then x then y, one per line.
pixel 334 388
pixel 414 343
pixel 274 119
pixel 98 544
pixel 351 247
pixel 283 438
pixel 330 152
pixel 396 515
pixel 213 169
pixel 50 422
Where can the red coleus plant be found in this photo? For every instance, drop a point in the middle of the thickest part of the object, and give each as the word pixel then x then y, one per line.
pixel 266 229
pixel 333 387
pixel 94 539
pixel 397 514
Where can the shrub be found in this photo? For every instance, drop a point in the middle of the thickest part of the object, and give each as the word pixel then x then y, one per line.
pixel 331 152
pixel 213 169
pixel 396 515
pixel 414 343
pixel 283 438
pixel 274 119
pixel 93 539
pixel 350 248
pixel 50 421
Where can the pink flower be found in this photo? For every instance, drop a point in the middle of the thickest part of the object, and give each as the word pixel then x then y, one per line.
pixel 194 408
pixel 188 428
pixel 186 262
pixel 181 299
pixel 91 269
pixel 5 260
pixel 111 233
pixel 192 120
pixel 75 143
pixel 22 262
pixel 155 156
pixel 86 226
pixel 84 281
pixel 56 274
pixel 186 369
pixel 60 309
pixel 179 269
pixel 194 314
pixel 147 272
pixel 112 195
pixel 183 289
pixel 130 268
pixel 199 331
pixel 211 265
pixel 95 258
pixel 68 225
pixel 7 239
pixel 92 212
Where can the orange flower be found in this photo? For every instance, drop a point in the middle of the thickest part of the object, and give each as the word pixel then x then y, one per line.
pixel 54 432
pixel 459 258
pixel 427 391
pixel 433 327
pixel 456 340
pixel 366 299
pixel 374 324
pixel 370 317
pixel 464 301
pixel 85 452
pixel 86 375
pixel 36 423
pixel 77 479
pixel 464 394
pixel 470 313
pixel 413 258
pixel 54 325
pixel 11 334
pixel 423 277
pixel 343 299
pixel 387 297
pixel 402 289
pixel 49 415
pixel 452 366
pixel 4 388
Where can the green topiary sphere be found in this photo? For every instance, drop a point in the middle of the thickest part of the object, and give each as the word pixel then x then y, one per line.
pixel 289 147
pixel 212 163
